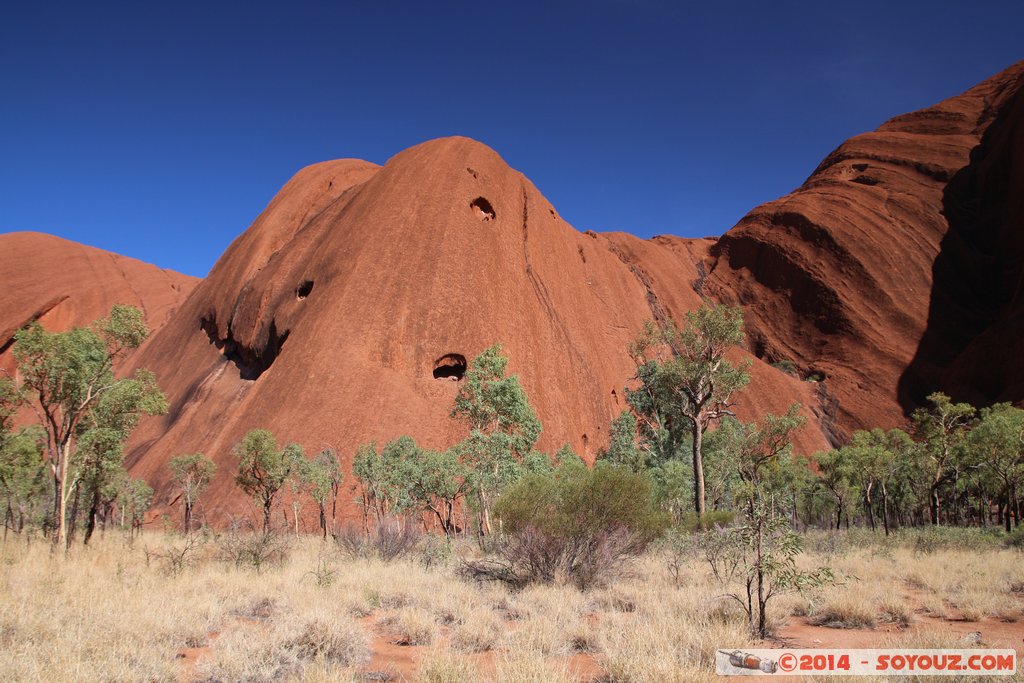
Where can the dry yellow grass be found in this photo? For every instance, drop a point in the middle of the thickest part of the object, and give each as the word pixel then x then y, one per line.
pixel 120 612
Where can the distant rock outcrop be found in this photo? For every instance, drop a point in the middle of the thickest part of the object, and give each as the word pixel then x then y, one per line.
pixel 893 270
pixel 64 284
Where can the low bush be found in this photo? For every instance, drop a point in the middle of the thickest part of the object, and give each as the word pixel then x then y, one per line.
pixel 388 540
pixel 847 612
pixel 254 550
pixel 577 526
pixel 1015 539
pixel 786 366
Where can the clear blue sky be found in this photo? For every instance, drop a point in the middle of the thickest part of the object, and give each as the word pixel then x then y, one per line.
pixel 160 130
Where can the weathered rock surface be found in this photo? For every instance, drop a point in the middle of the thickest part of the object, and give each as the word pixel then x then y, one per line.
pixel 64 284
pixel 326 321
pixel 346 312
pixel 893 270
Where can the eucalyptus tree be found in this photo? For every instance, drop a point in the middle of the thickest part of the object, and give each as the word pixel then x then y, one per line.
pixel 503 429
pixel 264 468
pixel 686 378
pixel 69 381
pixel 997 442
pixel 941 429
pixel 193 474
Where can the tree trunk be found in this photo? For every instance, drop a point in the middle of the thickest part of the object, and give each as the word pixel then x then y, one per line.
pixel 1008 503
pixel 933 503
pixel 867 498
pixel 61 504
pixel 267 504
pixel 885 509
pixel 334 509
pixel 698 471
pixel 90 521
pixel 1016 508
pixel 72 522
pixel 323 521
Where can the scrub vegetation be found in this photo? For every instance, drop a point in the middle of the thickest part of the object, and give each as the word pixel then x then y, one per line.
pixel 491 560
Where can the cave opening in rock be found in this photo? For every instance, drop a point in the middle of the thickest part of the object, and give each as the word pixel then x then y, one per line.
pixel 251 362
pixel 483 208
pixel 303 290
pixel 451 366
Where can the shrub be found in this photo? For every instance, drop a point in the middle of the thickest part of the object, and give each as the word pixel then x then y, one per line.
pixel 255 550
pixel 579 526
pixel 1015 539
pixel 786 366
pixel 177 557
pixel 689 522
pixel 388 540
pixel 846 612
pixel 928 540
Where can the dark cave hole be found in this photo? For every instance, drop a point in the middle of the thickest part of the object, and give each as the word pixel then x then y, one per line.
pixel 451 366
pixel 303 290
pixel 486 211
pixel 251 363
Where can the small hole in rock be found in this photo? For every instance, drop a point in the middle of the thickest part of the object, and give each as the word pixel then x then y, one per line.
pixel 451 366
pixel 303 290
pixel 471 172
pixel 865 180
pixel 860 167
pixel 484 209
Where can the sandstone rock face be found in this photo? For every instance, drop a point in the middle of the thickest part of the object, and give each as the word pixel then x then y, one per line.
pixel 345 313
pixel 63 284
pixel 893 270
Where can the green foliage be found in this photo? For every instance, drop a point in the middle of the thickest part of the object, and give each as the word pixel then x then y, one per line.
pixel 688 523
pixel 996 446
pixel 86 412
pixel 322 477
pixel 23 476
pixel 623 449
pixel 384 476
pixel 941 429
pixel 563 456
pixel 135 497
pixel 758 560
pixel 761 450
pixel 193 474
pixel 10 398
pixel 503 430
pixel 686 383
pixel 673 488
pixel 786 366
pixel 264 468
pixel 1015 539
pixel 492 403
pixel 576 525
pixel 404 478
pixel 125 328
pixel 440 480
pixel 579 501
